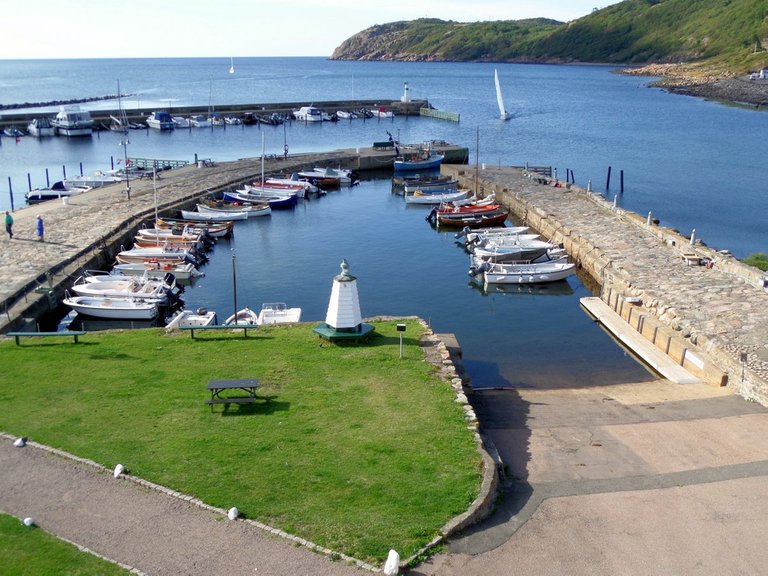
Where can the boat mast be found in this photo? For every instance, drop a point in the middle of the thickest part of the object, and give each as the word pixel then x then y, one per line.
pixel 477 158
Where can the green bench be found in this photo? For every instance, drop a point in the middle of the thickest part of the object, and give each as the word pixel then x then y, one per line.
pixel 243 327
pixel 73 333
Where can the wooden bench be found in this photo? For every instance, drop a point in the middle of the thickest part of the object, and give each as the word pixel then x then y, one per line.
pixel 73 333
pixel 243 327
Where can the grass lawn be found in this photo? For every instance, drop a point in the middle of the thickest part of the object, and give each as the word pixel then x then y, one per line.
pixel 28 550
pixel 355 449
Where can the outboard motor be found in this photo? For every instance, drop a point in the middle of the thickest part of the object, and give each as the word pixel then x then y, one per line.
pixel 463 232
pixel 475 270
pixel 432 216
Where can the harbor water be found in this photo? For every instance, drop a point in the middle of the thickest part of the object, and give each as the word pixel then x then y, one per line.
pixel 692 163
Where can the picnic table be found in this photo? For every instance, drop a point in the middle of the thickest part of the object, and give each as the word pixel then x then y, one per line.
pixel 246 385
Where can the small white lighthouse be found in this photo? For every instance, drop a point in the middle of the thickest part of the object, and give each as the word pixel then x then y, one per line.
pixel 343 320
pixel 406 97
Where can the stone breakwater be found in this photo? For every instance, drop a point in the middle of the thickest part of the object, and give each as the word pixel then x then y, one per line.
pixel 712 319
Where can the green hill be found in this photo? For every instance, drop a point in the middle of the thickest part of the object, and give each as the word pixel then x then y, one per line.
pixel 726 32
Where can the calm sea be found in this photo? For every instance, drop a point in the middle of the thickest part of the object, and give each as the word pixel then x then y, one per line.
pixel 692 163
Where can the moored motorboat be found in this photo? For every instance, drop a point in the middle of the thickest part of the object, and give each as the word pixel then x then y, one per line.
pixel 211 216
pixel 57 190
pixel 308 114
pixel 419 160
pixel 113 308
pixel 153 268
pixel 41 127
pixel 160 121
pixel 213 229
pixel 511 252
pixel 419 197
pixel 155 290
pixel 250 195
pixel 160 254
pixel 278 313
pixel 245 316
pixel 252 210
pixel 523 273
pixel 71 121
pixel 190 318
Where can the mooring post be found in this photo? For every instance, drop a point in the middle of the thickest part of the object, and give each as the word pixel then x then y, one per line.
pixel 112 162
pixel 589 186
pixel 648 221
pixel 693 237
pixel 81 168
pixel 10 191
pixel 29 182
pixel 608 180
pixel 47 179
pixel 64 170
pixel 621 180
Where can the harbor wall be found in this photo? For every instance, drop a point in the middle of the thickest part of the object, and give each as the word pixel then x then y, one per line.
pixel 723 349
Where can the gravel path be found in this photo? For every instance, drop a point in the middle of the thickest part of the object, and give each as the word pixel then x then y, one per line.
pixel 143 528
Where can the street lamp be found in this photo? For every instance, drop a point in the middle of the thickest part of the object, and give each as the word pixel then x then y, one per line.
pixel 124 143
pixel 400 330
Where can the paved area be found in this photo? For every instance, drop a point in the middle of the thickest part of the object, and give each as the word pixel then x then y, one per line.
pixel 636 478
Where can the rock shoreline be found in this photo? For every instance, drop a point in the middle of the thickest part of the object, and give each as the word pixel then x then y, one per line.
pixel 682 79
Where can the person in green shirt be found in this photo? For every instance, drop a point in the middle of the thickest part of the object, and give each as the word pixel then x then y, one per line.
pixel 9 224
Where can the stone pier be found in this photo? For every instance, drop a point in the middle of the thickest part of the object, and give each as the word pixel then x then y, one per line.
pixel 703 308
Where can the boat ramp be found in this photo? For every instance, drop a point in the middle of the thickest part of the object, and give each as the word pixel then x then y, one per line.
pixel 701 307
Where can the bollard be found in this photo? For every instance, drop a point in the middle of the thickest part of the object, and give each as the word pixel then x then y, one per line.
pixel 648 221
pixel 608 180
pixel 81 168
pixel 615 200
pixel 589 186
pixel 693 237
pixel 621 181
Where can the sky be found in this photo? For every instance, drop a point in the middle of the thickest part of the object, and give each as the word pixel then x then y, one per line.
pixel 35 29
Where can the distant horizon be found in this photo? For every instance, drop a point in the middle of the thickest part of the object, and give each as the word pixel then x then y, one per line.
pixel 182 30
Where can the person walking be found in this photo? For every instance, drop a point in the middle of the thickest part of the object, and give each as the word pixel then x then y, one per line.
pixel 40 229
pixel 9 224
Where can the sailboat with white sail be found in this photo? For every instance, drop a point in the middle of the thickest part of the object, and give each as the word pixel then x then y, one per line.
pixel 503 114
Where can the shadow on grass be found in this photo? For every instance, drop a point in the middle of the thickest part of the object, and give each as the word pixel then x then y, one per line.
pixel 269 406
pixel 230 336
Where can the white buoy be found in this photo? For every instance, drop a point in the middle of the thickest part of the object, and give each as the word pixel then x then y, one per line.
pixel 20 442
pixel 119 469
pixel 28 521
pixel 392 565
pixel 233 513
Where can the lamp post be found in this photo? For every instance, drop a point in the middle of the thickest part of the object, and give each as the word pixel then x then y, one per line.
pixel 234 286
pixel 401 330
pixel 124 143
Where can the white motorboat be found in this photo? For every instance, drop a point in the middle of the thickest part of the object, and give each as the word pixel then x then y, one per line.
pixel 57 190
pixel 512 252
pixel 382 113
pixel 170 236
pixel 41 127
pixel 232 121
pixel 160 121
pixel 345 115
pixel 213 216
pixel 157 269
pixel 107 285
pixel 113 308
pixel 278 313
pixel 251 210
pixel 95 180
pixel 342 176
pixel 274 199
pixel 244 317
pixel 190 318
pixel 271 313
pixel 503 114
pixel 419 197
pixel 164 255
pixel 199 121
pixel 527 273
pixel 308 114
pixel 180 122
pixel 472 235
pixel 71 121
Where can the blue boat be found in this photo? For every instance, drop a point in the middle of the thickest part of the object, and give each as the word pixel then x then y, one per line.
pixel 418 161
